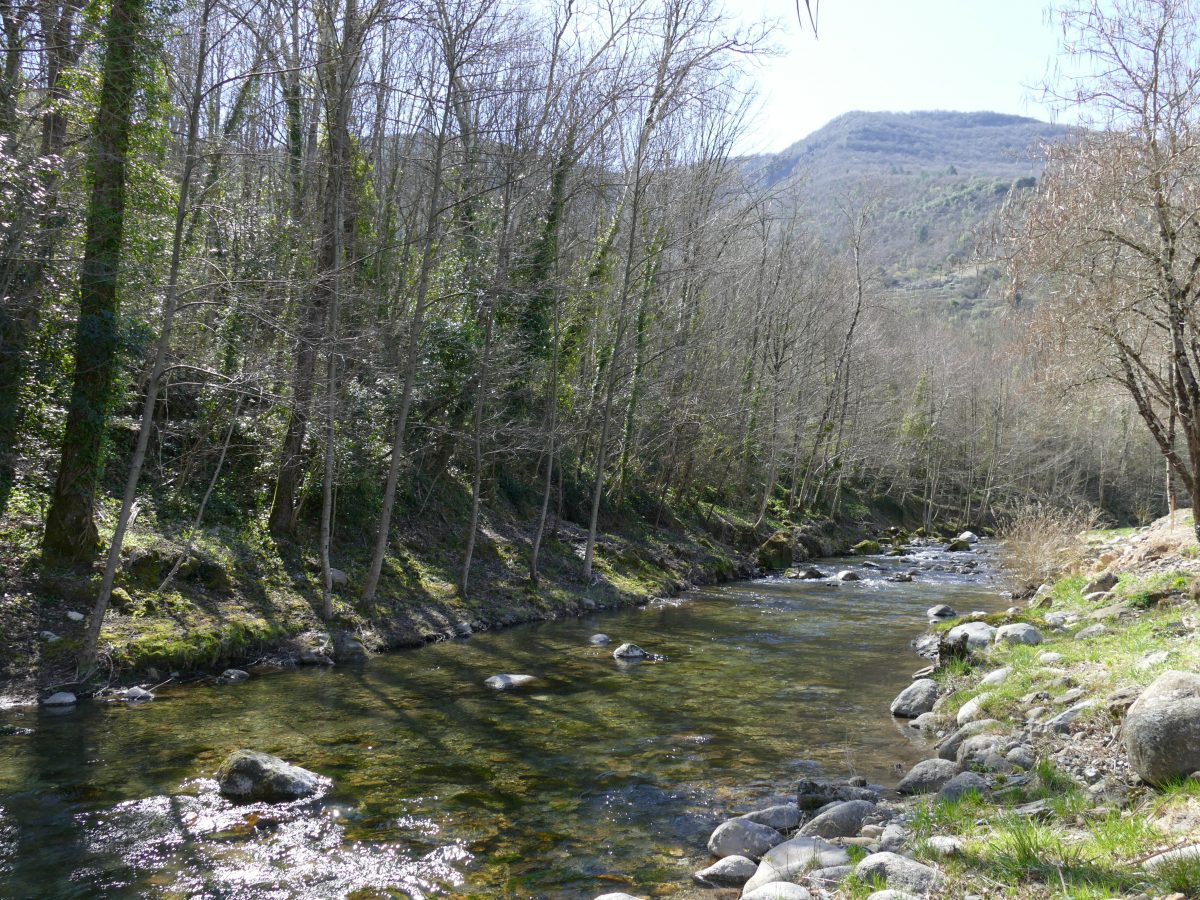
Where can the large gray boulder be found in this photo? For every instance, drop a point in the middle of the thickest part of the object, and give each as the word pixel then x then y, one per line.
pixel 1018 633
pixel 630 651
pixel 928 776
pixel 783 817
pixel 791 860
pixel 732 871
pixel 842 820
pixel 915 699
pixel 741 837
pixel 1162 728
pixel 978 635
pixel 250 775
pixel 899 872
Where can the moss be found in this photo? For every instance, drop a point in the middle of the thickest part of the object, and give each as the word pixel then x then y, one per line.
pixel 866 548
pixel 775 553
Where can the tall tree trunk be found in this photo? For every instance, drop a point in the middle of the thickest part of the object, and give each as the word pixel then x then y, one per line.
pixel 71 535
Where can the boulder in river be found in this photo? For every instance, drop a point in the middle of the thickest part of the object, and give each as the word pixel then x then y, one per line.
pixel 314 648
pixel 915 699
pixel 969 536
pixel 790 860
pixel 808 573
pixel 941 611
pixel 775 553
pixel 741 837
pixel 732 871
pixel 233 676
pixel 783 817
pixel 1162 728
pixel 899 872
pixel 250 775
pixel 507 682
pixel 847 575
pixel 841 820
pixel 136 695
pixel 957 546
pixel 630 651
pixel 619 895
pixel 60 698
pixel 599 639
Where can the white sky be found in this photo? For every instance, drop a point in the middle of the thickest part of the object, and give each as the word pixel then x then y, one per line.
pixel 897 55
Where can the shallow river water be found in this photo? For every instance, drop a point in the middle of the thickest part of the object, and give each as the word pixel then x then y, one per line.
pixel 603 776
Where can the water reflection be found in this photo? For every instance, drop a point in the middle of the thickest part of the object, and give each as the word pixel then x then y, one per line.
pixel 600 776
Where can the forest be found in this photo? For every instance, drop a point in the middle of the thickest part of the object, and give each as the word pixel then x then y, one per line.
pixel 419 299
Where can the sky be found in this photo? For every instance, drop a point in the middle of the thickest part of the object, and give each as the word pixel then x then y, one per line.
pixel 897 55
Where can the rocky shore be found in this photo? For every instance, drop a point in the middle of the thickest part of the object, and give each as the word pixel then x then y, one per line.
pixel 1066 760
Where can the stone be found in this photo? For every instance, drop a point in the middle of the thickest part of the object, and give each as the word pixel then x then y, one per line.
pixel 741 837
pixel 957 546
pixel 60 698
pixel 1162 728
pixel 779 890
pixel 901 577
pixel 348 647
pixel 630 651
pixel 314 648
pixel 962 784
pixel 599 640
pixel 732 871
pixel 1179 855
pixel 1090 632
pixel 978 634
pixel 233 676
pixel 948 749
pixel 1050 659
pixel 928 776
pixel 829 877
pixel 508 682
pixel 814 794
pixel 136 695
pixel 841 820
pixel 944 845
pixel 1062 722
pixel 792 859
pixel 808 574
pixel 899 872
pixel 996 677
pixel 75 616
pixel 250 775
pixel 1096 596
pixel 972 710
pixel 941 611
pixel 1018 633
pixel 783 817
pixel 339 578
pixel 1104 583
pixel 891 894
pixel 893 838
pixel 847 575
pixel 619 895
pixel 915 699
pixel 926 721
pixel 1152 659
pixel 969 536
pixel 775 553
pixel 1022 757
pixel 49 637
pixel 975 750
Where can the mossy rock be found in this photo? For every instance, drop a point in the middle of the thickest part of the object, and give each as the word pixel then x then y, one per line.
pixel 776 552
pixel 866 548
pixel 957 546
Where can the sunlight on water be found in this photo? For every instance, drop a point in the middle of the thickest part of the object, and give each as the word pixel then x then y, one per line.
pixel 599 776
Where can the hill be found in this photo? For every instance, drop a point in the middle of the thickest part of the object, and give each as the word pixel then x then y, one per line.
pixel 935 181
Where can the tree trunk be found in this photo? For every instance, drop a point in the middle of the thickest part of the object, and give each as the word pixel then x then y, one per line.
pixel 71 535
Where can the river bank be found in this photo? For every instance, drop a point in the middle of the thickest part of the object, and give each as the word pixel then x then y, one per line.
pixel 237 598
pixel 1046 779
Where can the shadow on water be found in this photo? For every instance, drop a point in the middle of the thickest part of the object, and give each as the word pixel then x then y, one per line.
pixel 597 775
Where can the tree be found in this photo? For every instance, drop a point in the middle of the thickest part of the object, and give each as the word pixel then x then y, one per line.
pixel 71 535
pixel 1112 227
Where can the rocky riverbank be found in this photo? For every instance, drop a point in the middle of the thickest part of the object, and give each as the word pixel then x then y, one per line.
pixel 1067 733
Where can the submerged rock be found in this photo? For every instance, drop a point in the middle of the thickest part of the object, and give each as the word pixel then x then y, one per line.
pixel 60 698
pixel 847 575
pixel 599 639
pixel 233 676
pixel 507 682
pixel 250 775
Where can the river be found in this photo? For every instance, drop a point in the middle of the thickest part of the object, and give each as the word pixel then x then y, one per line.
pixel 602 776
